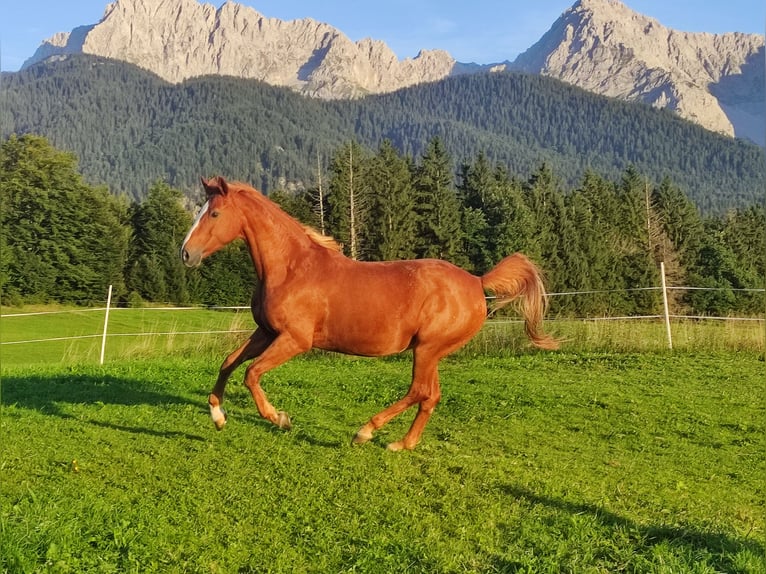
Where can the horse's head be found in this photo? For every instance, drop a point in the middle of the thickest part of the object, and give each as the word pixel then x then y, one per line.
pixel 219 222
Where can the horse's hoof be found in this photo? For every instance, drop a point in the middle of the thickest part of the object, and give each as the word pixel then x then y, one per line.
pixel 283 421
pixel 395 446
pixel 219 417
pixel 362 436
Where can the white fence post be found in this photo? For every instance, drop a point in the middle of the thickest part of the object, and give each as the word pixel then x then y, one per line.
pixel 665 304
pixel 106 323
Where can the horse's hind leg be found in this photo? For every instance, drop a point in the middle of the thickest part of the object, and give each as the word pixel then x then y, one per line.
pixel 424 390
pixel 426 379
pixel 251 348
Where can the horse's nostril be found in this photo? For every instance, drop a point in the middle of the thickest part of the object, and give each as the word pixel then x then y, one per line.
pixel 190 258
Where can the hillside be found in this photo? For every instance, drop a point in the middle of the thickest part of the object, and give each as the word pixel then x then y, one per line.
pixel 129 128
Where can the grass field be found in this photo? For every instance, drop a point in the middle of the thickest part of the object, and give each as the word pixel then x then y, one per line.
pixel 555 462
pixel 612 455
pixel 130 333
pixel 143 333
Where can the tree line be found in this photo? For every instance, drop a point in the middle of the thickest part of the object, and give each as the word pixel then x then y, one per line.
pixel 62 240
pixel 128 127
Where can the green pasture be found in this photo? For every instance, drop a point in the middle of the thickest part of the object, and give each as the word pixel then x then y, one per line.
pixel 584 461
pixel 74 335
pixel 147 332
pixel 611 455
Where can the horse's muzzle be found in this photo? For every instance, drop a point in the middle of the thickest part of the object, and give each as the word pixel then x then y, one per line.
pixel 191 258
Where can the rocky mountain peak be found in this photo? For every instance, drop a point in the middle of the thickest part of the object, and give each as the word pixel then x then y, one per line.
pixel 179 39
pixel 603 46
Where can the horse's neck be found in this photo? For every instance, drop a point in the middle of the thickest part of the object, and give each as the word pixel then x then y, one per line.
pixel 275 244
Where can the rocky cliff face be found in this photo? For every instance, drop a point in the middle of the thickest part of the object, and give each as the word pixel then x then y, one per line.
pixel 604 47
pixel 179 39
pixel 599 45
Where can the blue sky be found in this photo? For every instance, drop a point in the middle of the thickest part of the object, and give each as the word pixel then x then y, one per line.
pixel 483 31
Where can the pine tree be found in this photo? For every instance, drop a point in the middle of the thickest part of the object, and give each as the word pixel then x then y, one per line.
pixel 540 193
pixel 348 199
pixel 496 221
pixel 160 222
pixel 391 232
pixel 319 198
pixel 437 206
pixel 636 257
pixel 595 209
pixel 678 237
pixel 475 187
pixel 743 232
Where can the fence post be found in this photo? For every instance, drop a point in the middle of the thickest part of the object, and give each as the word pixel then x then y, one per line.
pixel 665 304
pixel 106 324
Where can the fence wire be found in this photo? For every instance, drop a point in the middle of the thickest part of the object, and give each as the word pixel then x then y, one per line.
pixel 171 308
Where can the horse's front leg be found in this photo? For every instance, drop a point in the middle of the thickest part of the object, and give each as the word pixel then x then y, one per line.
pixel 282 349
pixel 251 348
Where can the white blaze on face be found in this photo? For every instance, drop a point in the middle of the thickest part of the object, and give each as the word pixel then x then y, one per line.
pixel 201 213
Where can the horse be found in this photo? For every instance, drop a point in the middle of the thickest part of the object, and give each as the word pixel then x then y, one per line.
pixel 308 294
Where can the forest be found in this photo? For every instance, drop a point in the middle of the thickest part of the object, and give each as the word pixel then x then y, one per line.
pixel 63 240
pixel 129 128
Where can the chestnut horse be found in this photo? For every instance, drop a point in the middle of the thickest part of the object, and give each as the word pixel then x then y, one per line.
pixel 309 295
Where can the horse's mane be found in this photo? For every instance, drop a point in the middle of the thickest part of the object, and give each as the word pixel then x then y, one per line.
pixel 325 241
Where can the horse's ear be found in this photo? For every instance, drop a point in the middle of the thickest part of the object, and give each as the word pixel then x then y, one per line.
pixel 215 186
pixel 223 185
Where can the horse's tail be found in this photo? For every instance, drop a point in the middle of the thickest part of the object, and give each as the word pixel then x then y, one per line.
pixel 517 277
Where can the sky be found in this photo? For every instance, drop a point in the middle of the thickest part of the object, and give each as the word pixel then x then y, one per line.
pixel 481 31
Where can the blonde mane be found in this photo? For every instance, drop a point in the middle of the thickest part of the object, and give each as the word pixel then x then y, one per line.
pixel 324 240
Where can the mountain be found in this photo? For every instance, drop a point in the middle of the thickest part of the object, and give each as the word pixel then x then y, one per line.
pixel 180 39
pixel 129 128
pixel 604 47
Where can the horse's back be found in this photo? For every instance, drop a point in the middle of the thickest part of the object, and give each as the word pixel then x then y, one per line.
pixel 380 308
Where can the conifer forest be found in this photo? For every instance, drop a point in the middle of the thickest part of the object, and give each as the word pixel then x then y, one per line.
pixel 65 241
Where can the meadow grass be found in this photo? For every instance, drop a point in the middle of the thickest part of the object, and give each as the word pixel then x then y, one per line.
pixel 145 333
pixel 132 333
pixel 584 461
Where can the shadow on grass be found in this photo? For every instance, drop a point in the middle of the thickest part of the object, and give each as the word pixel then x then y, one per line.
pixel 47 395
pixel 719 548
pixel 308 432
pixel 163 434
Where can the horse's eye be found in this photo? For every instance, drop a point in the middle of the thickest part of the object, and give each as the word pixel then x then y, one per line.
pixel 214 214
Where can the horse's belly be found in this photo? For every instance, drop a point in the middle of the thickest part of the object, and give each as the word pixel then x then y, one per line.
pixel 364 337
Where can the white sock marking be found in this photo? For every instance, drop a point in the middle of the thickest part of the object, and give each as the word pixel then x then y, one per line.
pixel 217 414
